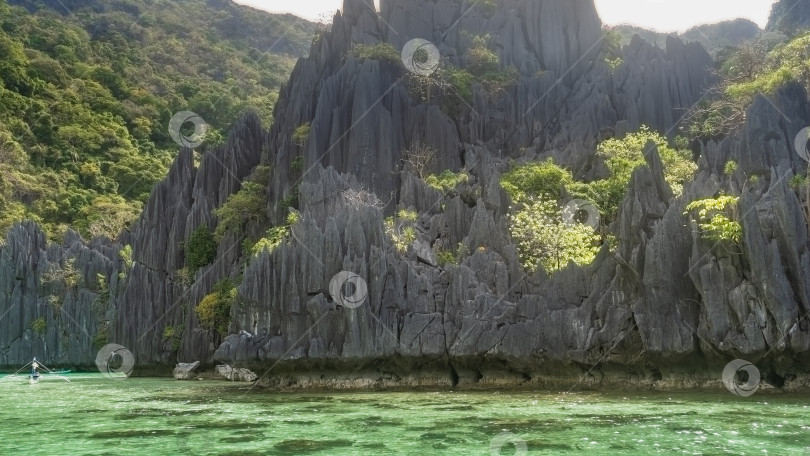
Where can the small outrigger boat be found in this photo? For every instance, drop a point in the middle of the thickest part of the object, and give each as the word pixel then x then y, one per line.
pixel 35 376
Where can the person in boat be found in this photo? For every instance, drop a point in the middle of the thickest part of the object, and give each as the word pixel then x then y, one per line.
pixel 34 367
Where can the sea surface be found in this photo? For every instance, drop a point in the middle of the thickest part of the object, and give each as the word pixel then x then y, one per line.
pixel 95 415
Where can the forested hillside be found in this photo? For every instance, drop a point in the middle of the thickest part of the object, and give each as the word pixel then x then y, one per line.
pixel 87 89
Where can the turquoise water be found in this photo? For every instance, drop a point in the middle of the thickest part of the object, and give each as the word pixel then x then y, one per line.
pixel 94 415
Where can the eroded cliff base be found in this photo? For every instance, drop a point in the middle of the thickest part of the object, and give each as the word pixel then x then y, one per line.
pixel 558 379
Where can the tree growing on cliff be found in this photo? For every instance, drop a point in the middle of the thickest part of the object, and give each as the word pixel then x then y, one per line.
pixel 249 203
pixel 214 311
pixel 623 156
pixel 419 160
pixel 747 71
pixel 717 219
pixel 544 239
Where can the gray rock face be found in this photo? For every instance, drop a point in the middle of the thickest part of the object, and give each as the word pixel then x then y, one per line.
pixel 156 296
pixel 237 374
pixel 363 114
pixel 649 313
pixel 185 371
pixel 650 308
pixel 57 299
pixel 64 302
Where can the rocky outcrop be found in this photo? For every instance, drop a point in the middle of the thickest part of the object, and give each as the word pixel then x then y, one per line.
pixel 57 300
pixel 363 114
pixel 236 374
pixel 157 294
pixel 647 314
pixel 646 311
pixel 186 371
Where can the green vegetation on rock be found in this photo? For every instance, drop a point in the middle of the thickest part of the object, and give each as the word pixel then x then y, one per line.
pixel 301 134
pixel 447 180
pixel 716 218
pixel 747 71
pixel 544 239
pixel 542 179
pixel 39 325
pixel 174 334
pixel 480 65
pixel 612 49
pixel 201 249
pixel 537 189
pixel 214 311
pixel 274 236
pixel 248 204
pixel 622 156
pixel 446 257
pixel 382 51
pixel 537 221
pixel 401 229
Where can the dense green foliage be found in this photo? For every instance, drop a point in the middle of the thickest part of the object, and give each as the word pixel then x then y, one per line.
pixel 730 168
pixel 549 181
pixel 201 249
pixel 249 203
pixel 301 134
pixel 716 218
pixel 446 257
pixel 174 334
pixel 480 59
pixel 214 311
pixel 612 49
pixel 447 180
pixel 86 98
pixel 622 156
pixel 539 179
pixel 544 240
pixel 485 67
pixel 381 51
pixel 39 325
pixel 274 236
pixel 537 220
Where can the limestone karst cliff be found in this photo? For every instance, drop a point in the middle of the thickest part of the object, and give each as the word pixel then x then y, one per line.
pixel 664 306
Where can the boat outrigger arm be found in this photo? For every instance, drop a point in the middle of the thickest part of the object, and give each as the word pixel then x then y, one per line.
pixel 35 374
